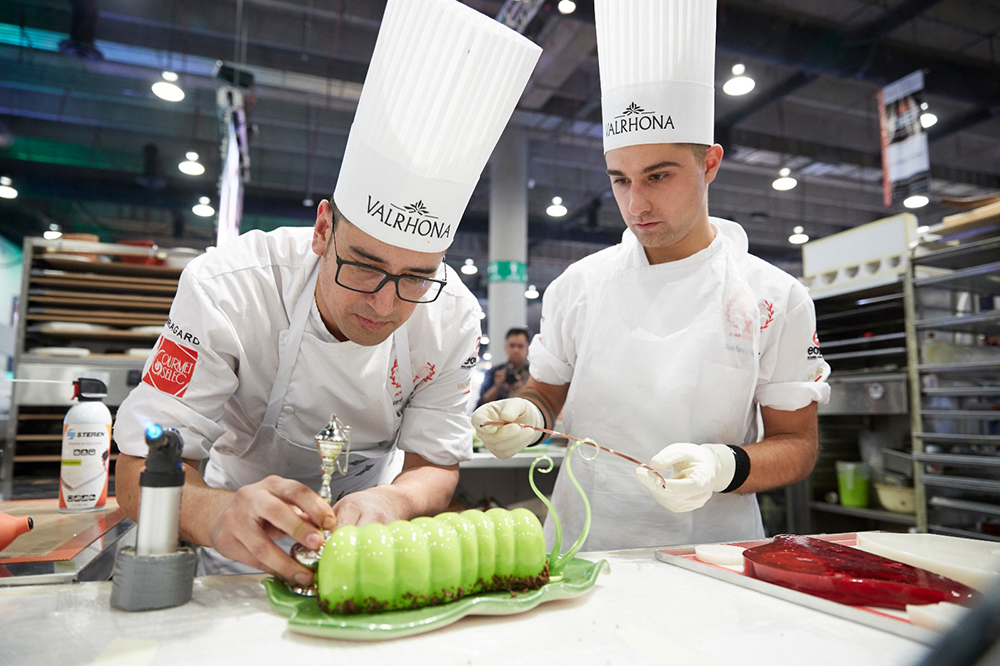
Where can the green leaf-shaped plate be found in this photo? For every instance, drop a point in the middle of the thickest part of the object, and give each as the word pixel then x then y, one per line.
pixel 305 617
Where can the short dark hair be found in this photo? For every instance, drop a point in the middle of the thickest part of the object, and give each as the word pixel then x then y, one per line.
pixel 699 150
pixel 518 331
pixel 337 215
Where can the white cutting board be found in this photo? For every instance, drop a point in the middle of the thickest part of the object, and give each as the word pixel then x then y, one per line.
pixel 974 562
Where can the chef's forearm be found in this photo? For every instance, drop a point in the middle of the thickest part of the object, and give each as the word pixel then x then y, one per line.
pixel 422 489
pixel 127 470
pixel 788 452
pixel 549 398
pixel 200 503
pixel 197 499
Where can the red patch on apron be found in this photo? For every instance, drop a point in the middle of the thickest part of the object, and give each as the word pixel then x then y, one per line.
pixel 172 367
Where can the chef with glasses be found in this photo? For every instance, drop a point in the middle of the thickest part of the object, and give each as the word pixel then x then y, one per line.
pixel 357 316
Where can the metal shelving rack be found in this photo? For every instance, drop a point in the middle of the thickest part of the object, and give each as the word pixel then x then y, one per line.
pixel 117 301
pixel 953 304
pixel 864 340
pixel 857 283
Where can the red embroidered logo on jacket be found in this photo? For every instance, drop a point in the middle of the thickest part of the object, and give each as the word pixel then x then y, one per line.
pixel 172 367
pixel 766 313
pixel 740 321
pixel 397 389
pixel 424 374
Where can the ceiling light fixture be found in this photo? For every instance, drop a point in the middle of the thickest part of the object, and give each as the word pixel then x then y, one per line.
pixel 798 236
pixel 202 209
pixel 167 89
pixel 557 209
pixel 7 190
pixel 916 201
pixel 566 6
pixel 308 202
pixel 927 119
pixel 54 232
pixel 484 340
pixel 482 315
pixel 784 181
pixel 531 293
pixel 739 84
pixel 487 356
pixel 191 166
pixel 470 267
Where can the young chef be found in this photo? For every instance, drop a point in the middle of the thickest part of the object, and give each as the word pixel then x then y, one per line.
pixel 665 345
pixel 358 316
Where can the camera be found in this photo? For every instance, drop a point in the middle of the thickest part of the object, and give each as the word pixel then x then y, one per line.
pixel 511 377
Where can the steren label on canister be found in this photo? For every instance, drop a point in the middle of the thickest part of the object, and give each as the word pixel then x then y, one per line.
pixel 86 452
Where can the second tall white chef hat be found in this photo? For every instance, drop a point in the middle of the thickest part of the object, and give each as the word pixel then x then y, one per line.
pixel 657 64
pixel 442 84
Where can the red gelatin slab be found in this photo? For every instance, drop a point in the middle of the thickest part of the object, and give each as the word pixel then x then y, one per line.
pixel 848 575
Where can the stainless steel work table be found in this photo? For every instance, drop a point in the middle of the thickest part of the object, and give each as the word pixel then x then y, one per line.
pixel 643 612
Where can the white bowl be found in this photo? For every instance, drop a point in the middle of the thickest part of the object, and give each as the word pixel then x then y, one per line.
pixel 898 499
pixel 179 257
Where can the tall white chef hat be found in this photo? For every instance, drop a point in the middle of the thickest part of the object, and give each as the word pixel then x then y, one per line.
pixel 657 63
pixel 442 84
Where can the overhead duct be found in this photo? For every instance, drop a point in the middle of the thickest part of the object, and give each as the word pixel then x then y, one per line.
pixel 82 31
pixel 152 168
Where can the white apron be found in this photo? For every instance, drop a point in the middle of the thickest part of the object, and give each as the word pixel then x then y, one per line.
pixel 357 379
pixel 669 354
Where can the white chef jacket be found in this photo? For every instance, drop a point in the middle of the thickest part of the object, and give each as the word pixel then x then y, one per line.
pixel 230 315
pixel 790 374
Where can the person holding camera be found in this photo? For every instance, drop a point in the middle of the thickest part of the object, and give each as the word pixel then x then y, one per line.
pixel 511 377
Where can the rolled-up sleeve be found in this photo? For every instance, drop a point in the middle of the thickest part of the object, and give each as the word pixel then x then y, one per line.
pixel 436 424
pixel 202 336
pixel 793 373
pixel 553 351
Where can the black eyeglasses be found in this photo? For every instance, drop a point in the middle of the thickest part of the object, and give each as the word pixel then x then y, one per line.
pixel 367 279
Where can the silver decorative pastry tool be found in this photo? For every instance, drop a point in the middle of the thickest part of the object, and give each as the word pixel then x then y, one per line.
pixel 331 441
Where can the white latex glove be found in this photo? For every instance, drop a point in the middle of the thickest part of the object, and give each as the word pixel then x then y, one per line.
pixel 698 471
pixel 505 441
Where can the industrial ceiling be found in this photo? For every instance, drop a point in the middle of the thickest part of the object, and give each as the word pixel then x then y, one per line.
pixel 77 114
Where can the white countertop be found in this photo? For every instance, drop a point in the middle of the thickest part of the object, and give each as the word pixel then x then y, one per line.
pixel 643 612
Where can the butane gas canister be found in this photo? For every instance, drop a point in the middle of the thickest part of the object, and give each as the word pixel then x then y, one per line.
pixel 86 449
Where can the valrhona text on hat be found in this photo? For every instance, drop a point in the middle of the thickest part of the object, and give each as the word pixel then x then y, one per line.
pixel 634 117
pixel 410 219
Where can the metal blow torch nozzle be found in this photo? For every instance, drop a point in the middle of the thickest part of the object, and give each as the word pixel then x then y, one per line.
pixel 160 504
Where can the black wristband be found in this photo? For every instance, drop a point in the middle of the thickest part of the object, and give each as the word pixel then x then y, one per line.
pixel 742 468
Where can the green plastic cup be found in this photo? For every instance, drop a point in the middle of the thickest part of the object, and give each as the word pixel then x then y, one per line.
pixel 852 479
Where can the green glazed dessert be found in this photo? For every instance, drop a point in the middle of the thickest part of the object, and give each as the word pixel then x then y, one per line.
pixel 411 564
pixel 431 561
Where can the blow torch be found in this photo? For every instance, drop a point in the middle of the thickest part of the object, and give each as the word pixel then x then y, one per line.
pixel 156 573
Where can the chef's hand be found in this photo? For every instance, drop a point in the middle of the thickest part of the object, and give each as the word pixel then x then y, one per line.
pixel 247 523
pixel 698 471
pixel 367 506
pixel 505 441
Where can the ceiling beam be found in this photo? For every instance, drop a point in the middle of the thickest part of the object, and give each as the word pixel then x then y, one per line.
pixel 840 155
pixel 789 85
pixel 808 45
pixel 893 18
pixel 781 37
